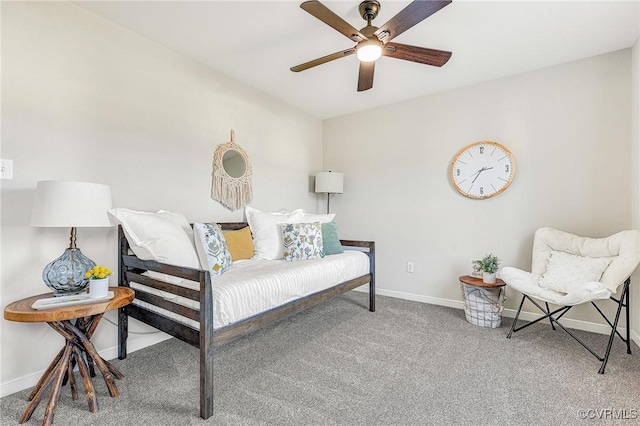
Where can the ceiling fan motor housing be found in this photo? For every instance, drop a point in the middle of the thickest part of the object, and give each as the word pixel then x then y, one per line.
pixel 369 9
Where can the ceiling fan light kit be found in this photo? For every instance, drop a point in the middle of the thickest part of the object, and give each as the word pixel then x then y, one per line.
pixel 369 50
pixel 373 42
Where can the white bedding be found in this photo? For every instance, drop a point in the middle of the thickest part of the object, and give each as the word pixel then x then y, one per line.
pixel 256 285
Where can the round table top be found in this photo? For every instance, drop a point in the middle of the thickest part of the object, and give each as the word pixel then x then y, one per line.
pixel 468 279
pixel 22 311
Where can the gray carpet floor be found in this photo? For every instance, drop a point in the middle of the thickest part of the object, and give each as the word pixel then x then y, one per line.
pixel 339 364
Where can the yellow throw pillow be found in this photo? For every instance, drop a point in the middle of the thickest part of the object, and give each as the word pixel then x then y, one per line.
pixel 240 243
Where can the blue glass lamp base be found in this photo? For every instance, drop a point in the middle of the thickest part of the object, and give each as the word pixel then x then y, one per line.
pixel 65 275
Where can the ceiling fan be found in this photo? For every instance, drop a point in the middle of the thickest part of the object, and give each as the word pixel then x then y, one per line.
pixel 373 42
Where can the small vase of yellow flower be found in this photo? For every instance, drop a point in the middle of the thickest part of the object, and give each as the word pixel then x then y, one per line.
pixel 98 281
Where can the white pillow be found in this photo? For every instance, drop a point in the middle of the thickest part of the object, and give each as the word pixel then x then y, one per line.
pixel 266 231
pixel 160 236
pixel 180 220
pixel 565 271
pixel 321 218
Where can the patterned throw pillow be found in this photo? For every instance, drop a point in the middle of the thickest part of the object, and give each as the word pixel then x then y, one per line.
pixel 212 248
pixel 330 241
pixel 566 270
pixel 302 241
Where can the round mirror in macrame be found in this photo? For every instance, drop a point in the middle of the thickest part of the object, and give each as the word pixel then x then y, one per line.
pixel 231 176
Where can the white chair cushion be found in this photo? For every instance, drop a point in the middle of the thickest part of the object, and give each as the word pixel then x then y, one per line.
pixel 623 248
pixel 527 283
pixel 566 271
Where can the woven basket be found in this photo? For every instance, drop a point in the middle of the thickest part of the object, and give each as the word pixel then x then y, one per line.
pixel 483 306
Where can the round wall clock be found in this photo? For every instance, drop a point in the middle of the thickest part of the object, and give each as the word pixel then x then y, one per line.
pixel 482 169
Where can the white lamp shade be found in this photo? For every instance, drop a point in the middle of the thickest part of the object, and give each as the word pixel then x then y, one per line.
pixel 71 204
pixel 329 182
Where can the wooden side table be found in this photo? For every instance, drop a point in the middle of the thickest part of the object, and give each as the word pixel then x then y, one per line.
pixel 483 303
pixel 78 348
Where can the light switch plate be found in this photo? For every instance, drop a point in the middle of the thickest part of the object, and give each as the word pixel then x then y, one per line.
pixel 6 169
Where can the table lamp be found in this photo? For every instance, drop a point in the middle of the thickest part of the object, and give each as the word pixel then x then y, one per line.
pixel 70 205
pixel 329 183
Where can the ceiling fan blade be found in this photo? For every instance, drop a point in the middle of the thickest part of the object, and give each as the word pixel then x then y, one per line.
pixel 415 12
pixel 323 60
pixel 421 55
pixel 324 14
pixel 365 76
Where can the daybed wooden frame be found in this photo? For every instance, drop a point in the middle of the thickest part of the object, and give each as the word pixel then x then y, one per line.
pixel 130 268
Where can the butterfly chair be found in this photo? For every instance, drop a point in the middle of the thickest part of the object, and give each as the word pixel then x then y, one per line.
pixel 568 270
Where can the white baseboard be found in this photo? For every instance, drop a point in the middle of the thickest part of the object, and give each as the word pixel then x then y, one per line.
pixel 510 313
pixel 458 304
pixel 28 381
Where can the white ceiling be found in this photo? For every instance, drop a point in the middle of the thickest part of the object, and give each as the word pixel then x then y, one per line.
pixel 256 42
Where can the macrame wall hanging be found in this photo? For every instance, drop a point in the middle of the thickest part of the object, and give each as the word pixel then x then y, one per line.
pixel 231 176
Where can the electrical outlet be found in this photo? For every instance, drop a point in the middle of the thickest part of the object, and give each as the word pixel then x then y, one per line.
pixel 6 169
pixel 410 267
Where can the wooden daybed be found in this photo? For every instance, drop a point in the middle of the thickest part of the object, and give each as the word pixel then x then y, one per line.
pixel 206 337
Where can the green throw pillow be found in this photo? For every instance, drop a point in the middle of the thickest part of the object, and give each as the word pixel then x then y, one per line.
pixel 330 240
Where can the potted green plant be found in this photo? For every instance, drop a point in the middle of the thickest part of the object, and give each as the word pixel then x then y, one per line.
pixel 489 266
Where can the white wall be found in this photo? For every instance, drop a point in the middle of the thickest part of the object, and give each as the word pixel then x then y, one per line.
pixel 570 131
pixel 635 179
pixel 84 99
pixel 78 92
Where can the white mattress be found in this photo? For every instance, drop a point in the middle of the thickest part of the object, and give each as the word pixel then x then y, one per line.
pixel 256 285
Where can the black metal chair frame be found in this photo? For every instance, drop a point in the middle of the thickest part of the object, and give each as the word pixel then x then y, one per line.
pixel 554 320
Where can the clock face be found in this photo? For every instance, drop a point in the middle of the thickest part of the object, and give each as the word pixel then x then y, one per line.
pixel 482 169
